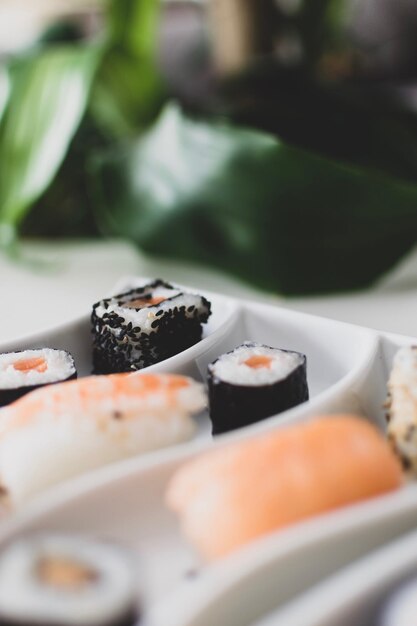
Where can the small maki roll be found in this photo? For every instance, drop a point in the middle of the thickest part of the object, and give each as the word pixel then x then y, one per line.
pixel 402 406
pixel 144 326
pixel 62 580
pixel 21 372
pixel 253 382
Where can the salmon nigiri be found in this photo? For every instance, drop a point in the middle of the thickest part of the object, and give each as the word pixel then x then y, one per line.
pixel 62 430
pixel 229 497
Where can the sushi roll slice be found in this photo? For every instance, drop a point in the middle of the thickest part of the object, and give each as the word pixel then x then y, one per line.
pixel 21 372
pixel 62 580
pixel 61 431
pixel 253 382
pixel 144 326
pixel 242 491
pixel 402 406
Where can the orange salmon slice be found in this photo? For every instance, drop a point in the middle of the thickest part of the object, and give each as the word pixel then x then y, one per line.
pixel 234 494
pixel 258 360
pixel 142 303
pixel 28 365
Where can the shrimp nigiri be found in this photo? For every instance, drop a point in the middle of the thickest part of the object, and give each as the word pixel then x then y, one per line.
pixel 232 495
pixel 62 430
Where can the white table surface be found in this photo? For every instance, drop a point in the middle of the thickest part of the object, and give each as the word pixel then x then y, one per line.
pixel 56 282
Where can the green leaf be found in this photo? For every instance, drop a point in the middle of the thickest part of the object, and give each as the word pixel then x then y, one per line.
pixel 47 101
pixel 4 88
pixel 128 91
pixel 66 208
pixel 132 25
pixel 247 203
pixel 127 94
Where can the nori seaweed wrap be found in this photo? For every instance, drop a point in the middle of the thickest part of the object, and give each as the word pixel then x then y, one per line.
pixel 252 383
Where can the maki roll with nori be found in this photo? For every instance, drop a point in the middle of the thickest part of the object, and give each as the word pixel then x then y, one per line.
pixel 253 382
pixel 21 372
pixel 144 326
pixel 61 580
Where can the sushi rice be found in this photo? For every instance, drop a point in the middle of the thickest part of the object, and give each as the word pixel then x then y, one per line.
pixel 256 364
pixel 22 372
pixel 402 406
pixel 52 365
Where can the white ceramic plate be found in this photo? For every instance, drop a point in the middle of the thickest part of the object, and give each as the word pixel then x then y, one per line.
pixel 357 594
pixel 347 371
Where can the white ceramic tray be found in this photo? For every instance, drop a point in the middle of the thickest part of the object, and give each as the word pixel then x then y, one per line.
pixel 357 594
pixel 347 369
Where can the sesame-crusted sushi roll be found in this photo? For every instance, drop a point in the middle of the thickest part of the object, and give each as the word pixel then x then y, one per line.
pixel 62 580
pixel 253 382
pixel 21 372
pixel 402 406
pixel 144 326
pixel 61 431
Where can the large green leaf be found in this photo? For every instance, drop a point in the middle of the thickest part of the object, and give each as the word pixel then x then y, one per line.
pixel 251 205
pixel 128 90
pixel 47 101
pixel 4 88
pixel 132 25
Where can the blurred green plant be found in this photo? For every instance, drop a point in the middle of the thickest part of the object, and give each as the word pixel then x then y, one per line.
pixel 4 89
pixel 278 216
pixel 47 100
pixel 307 185
pixel 66 100
pixel 128 90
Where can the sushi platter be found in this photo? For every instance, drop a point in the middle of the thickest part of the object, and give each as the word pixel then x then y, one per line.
pixel 193 573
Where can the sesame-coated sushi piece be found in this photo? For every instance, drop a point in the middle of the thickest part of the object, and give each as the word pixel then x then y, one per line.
pixel 253 382
pixel 144 326
pixel 402 406
pixel 60 431
pixel 24 371
pixel 64 580
pixel 242 491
